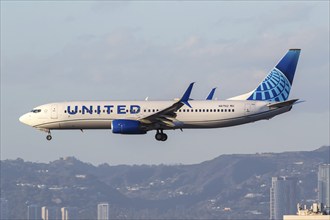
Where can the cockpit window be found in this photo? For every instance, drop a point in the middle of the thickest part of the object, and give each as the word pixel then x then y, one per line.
pixel 36 110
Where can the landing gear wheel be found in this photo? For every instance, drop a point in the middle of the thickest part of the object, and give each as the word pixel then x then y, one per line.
pixel 164 137
pixel 159 136
pixel 49 137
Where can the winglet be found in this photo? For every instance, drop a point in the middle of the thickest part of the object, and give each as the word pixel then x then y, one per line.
pixel 186 95
pixel 210 96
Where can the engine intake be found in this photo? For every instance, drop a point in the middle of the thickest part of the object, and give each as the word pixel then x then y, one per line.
pixel 125 126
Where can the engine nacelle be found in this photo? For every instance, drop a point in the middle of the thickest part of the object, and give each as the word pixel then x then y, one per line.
pixel 126 126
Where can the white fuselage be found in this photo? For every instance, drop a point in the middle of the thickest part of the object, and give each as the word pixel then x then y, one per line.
pixel 100 114
pixel 268 99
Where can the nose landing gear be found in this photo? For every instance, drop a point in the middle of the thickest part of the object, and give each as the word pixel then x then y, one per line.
pixel 49 136
pixel 160 136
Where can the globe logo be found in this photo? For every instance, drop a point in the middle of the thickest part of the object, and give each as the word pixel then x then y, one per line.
pixel 275 87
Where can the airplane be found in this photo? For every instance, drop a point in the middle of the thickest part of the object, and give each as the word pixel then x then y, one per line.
pixel 268 99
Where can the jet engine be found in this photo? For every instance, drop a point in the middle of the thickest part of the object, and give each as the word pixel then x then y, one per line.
pixel 125 126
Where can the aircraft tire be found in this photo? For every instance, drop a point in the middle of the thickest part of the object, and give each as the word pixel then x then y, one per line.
pixel 49 137
pixel 159 136
pixel 164 137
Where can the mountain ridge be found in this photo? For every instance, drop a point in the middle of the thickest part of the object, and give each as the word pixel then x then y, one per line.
pixel 205 190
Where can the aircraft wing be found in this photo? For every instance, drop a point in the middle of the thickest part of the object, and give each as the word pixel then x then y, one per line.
pixel 167 117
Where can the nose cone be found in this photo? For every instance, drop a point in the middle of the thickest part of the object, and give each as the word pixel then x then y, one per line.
pixel 25 119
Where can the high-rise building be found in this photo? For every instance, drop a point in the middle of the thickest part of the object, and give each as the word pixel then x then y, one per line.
pixel 324 185
pixel 4 209
pixel 69 213
pixel 283 197
pixel 103 211
pixel 50 213
pixel 34 212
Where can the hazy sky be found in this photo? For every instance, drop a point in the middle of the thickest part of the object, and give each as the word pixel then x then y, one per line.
pixel 85 50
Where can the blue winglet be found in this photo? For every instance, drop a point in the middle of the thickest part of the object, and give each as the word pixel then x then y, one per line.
pixel 210 96
pixel 186 95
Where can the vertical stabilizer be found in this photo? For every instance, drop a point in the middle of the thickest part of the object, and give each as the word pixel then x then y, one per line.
pixel 277 84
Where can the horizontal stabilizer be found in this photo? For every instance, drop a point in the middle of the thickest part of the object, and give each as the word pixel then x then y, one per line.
pixel 283 104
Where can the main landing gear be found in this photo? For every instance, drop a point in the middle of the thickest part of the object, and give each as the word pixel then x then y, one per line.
pixel 160 136
pixel 49 136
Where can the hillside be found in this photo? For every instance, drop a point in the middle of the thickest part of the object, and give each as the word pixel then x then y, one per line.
pixel 240 182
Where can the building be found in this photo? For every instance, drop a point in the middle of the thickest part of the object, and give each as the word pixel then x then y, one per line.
pixel 316 212
pixel 323 185
pixel 34 212
pixel 306 217
pixel 50 213
pixel 4 215
pixel 283 197
pixel 69 213
pixel 103 211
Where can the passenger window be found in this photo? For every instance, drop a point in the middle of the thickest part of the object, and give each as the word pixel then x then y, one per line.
pixel 203 110
pixel 221 110
pixel 225 110
pixel 207 110
pixel 232 110
pixel 210 110
pixel 228 110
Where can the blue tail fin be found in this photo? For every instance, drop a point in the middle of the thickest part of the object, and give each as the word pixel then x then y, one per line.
pixel 277 85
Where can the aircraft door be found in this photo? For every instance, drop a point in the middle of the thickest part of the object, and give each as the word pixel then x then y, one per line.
pixel 53 111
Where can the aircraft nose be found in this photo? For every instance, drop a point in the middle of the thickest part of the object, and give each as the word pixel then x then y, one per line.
pixel 25 119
